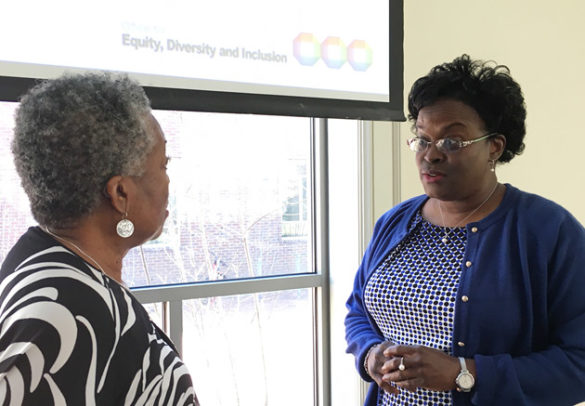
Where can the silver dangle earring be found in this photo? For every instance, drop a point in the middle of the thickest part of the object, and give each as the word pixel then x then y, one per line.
pixel 125 228
pixel 492 165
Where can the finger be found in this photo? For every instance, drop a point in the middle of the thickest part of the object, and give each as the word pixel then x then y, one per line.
pixel 407 373
pixel 389 388
pixel 411 384
pixel 393 364
pixel 404 382
pixel 399 350
pixel 399 376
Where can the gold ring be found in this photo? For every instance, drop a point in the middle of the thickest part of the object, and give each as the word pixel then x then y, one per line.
pixel 401 366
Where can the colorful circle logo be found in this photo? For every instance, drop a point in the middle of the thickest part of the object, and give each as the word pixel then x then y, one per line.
pixel 306 49
pixel 333 52
pixel 359 55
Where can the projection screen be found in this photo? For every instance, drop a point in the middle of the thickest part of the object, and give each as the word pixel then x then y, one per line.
pixel 327 58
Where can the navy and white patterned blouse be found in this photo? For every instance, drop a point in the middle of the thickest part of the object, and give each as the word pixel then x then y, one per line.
pixel 70 335
pixel 411 297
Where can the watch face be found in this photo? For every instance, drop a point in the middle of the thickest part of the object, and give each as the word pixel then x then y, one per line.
pixel 465 381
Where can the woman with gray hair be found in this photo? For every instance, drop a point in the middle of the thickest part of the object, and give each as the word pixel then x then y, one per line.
pixel 92 161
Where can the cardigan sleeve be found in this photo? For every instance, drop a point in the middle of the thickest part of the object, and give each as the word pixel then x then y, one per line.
pixel 360 332
pixel 555 373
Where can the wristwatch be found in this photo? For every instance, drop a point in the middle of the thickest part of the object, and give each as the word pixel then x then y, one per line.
pixel 464 380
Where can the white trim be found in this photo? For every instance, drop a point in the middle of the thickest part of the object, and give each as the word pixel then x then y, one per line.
pixel 366 203
pixel 198 290
pixel 322 304
pixel 365 183
pixel 396 173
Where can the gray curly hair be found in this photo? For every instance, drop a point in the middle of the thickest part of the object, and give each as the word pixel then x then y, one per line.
pixel 72 135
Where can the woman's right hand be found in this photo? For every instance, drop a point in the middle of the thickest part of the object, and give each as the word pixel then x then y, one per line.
pixel 374 361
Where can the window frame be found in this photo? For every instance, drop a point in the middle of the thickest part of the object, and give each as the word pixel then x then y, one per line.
pixel 172 296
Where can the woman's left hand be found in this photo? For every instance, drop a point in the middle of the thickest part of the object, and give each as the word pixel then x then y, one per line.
pixel 424 367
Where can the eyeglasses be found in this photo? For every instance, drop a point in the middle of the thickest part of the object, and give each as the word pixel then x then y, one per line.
pixel 445 145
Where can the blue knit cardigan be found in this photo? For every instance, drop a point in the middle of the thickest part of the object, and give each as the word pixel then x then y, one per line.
pixel 524 323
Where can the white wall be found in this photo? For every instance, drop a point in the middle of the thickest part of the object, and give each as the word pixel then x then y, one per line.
pixel 543 44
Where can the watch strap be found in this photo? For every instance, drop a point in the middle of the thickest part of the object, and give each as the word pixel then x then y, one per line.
pixel 463 364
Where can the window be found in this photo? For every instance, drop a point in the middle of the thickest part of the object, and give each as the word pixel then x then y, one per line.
pixel 251 349
pixel 15 215
pixel 295 220
pixel 234 179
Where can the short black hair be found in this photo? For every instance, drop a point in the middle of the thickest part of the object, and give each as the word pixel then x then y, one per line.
pixel 486 87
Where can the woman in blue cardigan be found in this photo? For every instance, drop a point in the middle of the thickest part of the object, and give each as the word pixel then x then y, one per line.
pixel 473 293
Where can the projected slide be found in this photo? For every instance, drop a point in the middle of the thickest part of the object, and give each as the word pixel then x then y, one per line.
pixel 332 49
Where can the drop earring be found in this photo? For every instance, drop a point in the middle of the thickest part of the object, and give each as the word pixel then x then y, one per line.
pixel 492 165
pixel 125 228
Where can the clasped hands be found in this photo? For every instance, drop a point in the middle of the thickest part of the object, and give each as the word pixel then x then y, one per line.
pixel 424 367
